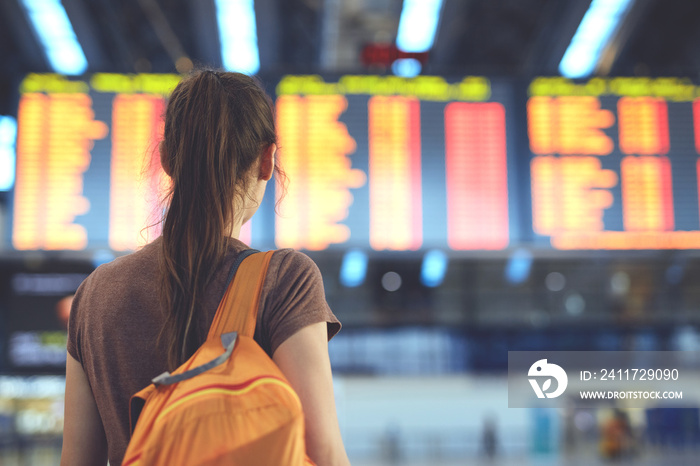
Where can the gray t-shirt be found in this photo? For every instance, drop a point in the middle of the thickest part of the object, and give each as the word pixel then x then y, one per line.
pixel 116 317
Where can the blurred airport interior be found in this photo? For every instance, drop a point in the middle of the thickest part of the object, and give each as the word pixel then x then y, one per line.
pixel 472 177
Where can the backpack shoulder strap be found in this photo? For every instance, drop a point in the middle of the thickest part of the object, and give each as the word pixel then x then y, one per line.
pixel 238 309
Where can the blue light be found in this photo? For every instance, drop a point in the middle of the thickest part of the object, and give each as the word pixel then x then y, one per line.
pixel 434 267
pixel 238 35
pixel 102 256
pixel 518 266
pixel 354 268
pixel 56 34
pixel 406 67
pixel 8 139
pixel 418 25
pixel 596 28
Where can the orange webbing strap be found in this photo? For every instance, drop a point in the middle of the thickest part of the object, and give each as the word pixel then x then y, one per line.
pixel 238 310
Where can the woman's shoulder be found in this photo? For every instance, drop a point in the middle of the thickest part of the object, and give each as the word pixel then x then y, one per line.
pixel 116 295
pixel 126 269
pixel 293 297
pixel 289 263
pixel 293 258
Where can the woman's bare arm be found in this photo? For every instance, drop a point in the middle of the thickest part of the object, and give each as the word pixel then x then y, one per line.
pixel 84 440
pixel 303 359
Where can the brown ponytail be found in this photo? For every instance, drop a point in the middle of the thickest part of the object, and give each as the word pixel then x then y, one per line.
pixel 217 125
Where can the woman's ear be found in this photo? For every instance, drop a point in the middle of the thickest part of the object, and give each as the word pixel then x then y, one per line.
pixel 164 162
pixel 267 162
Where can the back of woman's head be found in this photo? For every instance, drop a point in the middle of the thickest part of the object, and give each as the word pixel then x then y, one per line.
pixel 217 125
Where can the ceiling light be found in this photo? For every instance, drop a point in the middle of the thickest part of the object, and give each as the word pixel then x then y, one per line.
pixel 238 35
pixel 418 25
pixel 51 23
pixel 592 36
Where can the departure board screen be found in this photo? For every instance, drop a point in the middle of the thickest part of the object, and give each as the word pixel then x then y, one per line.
pixel 390 163
pixel 88 174
pixel 381 163
pixel 35 303
pixel 374 162
pixel 615 163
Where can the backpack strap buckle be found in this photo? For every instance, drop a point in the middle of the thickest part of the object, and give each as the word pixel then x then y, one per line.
pixel 229 342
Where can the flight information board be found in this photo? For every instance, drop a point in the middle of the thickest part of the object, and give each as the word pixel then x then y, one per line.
pixel 615 163
pixel 394 164
pixel 88 173
pixel 376 162
pixel 382 163
pixel 35 304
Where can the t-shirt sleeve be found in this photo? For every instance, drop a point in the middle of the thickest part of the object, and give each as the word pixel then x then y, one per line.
pixel 295 299
pixel 76 321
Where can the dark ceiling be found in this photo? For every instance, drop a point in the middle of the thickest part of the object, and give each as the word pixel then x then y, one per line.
pixel 490 37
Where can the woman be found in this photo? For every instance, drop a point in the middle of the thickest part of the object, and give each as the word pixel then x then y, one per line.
pixel 147 312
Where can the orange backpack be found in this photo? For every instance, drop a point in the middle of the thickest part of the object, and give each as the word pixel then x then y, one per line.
pixel 234 408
